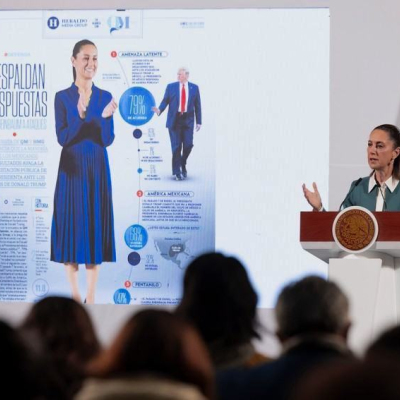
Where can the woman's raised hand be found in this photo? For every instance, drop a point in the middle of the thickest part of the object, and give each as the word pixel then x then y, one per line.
pixel 109 109
pixel 313 198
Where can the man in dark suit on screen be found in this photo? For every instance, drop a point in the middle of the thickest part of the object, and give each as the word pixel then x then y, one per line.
pixel 184 108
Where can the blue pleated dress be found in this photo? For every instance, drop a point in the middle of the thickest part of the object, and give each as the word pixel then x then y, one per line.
pixel 83 223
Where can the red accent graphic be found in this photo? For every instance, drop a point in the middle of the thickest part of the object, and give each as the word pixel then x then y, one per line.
pixel 139 193
pixel 183 99
pixel 15 134
pixel 128 284
pixel 5 54
pixel 113 54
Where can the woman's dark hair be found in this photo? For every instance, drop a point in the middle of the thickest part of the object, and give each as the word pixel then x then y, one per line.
pixel 65 334
pixel 394 136
pixel 25 373
pixel 77 49
pixel 18 374
pixel 219 300
pixel 159 343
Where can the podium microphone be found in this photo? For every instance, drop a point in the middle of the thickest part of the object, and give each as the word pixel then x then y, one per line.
pixel 348 194
pixel 383 197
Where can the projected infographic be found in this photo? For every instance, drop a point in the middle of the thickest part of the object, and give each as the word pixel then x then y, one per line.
pixel 133 140
pixel 105 166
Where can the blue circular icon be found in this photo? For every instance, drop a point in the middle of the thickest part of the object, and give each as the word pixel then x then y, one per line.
pixel 135 106
pixel 122 296
pixel 137 133
pixel 53 22
pixel 139 170
pixel 134 258
pixel 136 237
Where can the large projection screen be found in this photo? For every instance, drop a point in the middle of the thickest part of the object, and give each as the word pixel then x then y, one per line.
pixel 263 78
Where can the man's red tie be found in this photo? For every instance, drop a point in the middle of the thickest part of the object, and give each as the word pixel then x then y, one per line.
pixel 183 99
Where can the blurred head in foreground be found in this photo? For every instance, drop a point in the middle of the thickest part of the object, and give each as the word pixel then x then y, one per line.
pixel 312 306
pixel 157 343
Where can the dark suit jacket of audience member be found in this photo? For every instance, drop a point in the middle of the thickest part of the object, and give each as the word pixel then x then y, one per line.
pixel 275 380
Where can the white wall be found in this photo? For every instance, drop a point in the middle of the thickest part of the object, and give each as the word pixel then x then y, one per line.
pixel 365 84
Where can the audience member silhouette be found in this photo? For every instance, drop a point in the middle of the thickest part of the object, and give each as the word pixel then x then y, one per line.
pixel 159 355
pixel 155 356
pixel 62 330
pixel 312 324
pixel 20 378
pixel 386 346
pixel 219 300
pixel 372 380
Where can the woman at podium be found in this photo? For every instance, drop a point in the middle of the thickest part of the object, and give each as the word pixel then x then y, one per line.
pixel 380 191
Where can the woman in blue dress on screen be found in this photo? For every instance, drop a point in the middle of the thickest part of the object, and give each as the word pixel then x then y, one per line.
pixel 380 191
pixel 83 223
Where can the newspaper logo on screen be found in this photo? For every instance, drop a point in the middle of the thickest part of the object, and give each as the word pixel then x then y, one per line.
pixel 96 23
pixel 116 23
pixel 53 23
pixel 81 24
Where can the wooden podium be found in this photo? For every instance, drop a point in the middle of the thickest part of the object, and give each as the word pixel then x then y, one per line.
pixel 370 279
